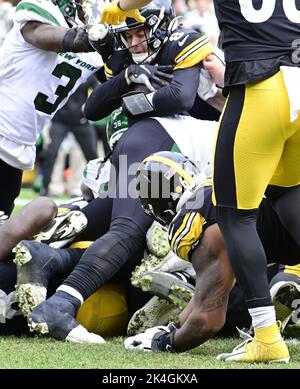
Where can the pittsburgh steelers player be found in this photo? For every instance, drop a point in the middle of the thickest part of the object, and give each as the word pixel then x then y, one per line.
pixel 257 145
pixel 157 39
pixel 184 203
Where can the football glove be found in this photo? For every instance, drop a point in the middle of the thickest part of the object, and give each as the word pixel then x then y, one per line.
pixel 155 339
pixel 3 218
pixel 207 88
pixel 113 14
pixel 144 74
pixel 101 40
pixel 76 40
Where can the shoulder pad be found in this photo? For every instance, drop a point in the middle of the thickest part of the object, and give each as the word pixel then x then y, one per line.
pixel 189 48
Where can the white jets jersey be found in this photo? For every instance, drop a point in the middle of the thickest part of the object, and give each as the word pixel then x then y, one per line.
pixel 194 138
pixel 35 83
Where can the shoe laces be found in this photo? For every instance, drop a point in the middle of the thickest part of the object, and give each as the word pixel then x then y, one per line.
pixel 247 338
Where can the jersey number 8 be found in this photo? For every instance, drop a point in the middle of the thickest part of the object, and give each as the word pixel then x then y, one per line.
pixel 266 10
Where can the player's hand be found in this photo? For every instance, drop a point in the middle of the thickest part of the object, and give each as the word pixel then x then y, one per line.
pixel 144 341
pixel 113 14
pixel 99 37
pixel 216 69
pixel 144 74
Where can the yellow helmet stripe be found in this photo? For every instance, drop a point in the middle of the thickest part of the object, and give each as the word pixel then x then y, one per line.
pixel 171 164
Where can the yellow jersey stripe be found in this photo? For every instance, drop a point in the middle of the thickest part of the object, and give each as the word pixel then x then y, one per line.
pixel 188 241
pixel 184 232
pixel 180 229
pixel 197 42
pixel 108 72
pixel 195 56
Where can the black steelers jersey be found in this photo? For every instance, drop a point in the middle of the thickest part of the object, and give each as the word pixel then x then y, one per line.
pixel 185 48
pixel 257 36
pixel 186 229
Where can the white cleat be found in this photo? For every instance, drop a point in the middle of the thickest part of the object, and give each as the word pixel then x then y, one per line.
pixel 170 264
pixel 156 312
pixel 63 229
pixel 82 335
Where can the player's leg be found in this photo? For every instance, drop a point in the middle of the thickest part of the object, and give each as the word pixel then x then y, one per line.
pixel 28 221
pixel 248 149
pixel 126 237
pixel 10 179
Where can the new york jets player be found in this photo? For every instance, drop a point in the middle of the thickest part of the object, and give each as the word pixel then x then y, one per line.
pixel 40 67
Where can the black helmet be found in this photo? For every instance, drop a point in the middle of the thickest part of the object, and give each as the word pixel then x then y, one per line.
pixel 162 178
pixel 160 21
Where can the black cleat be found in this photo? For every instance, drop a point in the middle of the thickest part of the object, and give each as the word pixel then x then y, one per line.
pixel 36 264
pixel 56 317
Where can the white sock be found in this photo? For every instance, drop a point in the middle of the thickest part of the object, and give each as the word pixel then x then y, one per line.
pixel 71 291
pixel 263 316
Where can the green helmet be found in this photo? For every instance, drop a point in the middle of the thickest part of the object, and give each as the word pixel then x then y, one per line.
pixel 116 126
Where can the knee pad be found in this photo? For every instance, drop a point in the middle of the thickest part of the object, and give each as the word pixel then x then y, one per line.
pixel 105 311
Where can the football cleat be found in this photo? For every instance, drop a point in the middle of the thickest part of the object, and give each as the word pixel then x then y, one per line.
pixel 173 287
pixel 36 264
pixel 286 298
pixel 55 317
pixel 155 313
pixel 255 350
pixel 157 240
pixel 170 263
pixel 63 228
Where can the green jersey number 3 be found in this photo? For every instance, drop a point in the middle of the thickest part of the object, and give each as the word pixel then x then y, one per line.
pixel 63 69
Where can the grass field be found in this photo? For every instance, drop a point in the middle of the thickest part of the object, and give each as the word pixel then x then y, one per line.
pixel 45 353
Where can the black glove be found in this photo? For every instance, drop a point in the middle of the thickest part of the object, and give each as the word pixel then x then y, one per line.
pixel 76 40
pixel 164 340
pixel 145 74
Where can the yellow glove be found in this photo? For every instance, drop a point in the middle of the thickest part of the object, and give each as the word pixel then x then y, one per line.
pixel 113 14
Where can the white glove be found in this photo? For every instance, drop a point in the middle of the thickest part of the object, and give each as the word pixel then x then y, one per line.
pixel 207 88
pixel 143 341
pixel 97 32
pixel 3 218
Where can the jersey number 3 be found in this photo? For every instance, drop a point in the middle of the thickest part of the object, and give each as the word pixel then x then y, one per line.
pixel 63 69
pixel 266 10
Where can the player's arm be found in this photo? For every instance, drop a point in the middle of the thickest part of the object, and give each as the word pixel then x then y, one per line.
pixel 56 38
pixel 106 98
pixel 179 95
pixel 214 281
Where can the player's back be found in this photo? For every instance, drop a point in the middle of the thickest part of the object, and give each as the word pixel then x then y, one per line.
pixel 261 32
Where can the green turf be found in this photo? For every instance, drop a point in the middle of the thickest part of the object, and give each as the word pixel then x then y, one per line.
pixel 32 353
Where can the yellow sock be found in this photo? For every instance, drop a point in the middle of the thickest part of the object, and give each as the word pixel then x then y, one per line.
pixel 268 334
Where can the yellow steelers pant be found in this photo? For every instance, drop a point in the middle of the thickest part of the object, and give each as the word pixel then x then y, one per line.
pixel 256 144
